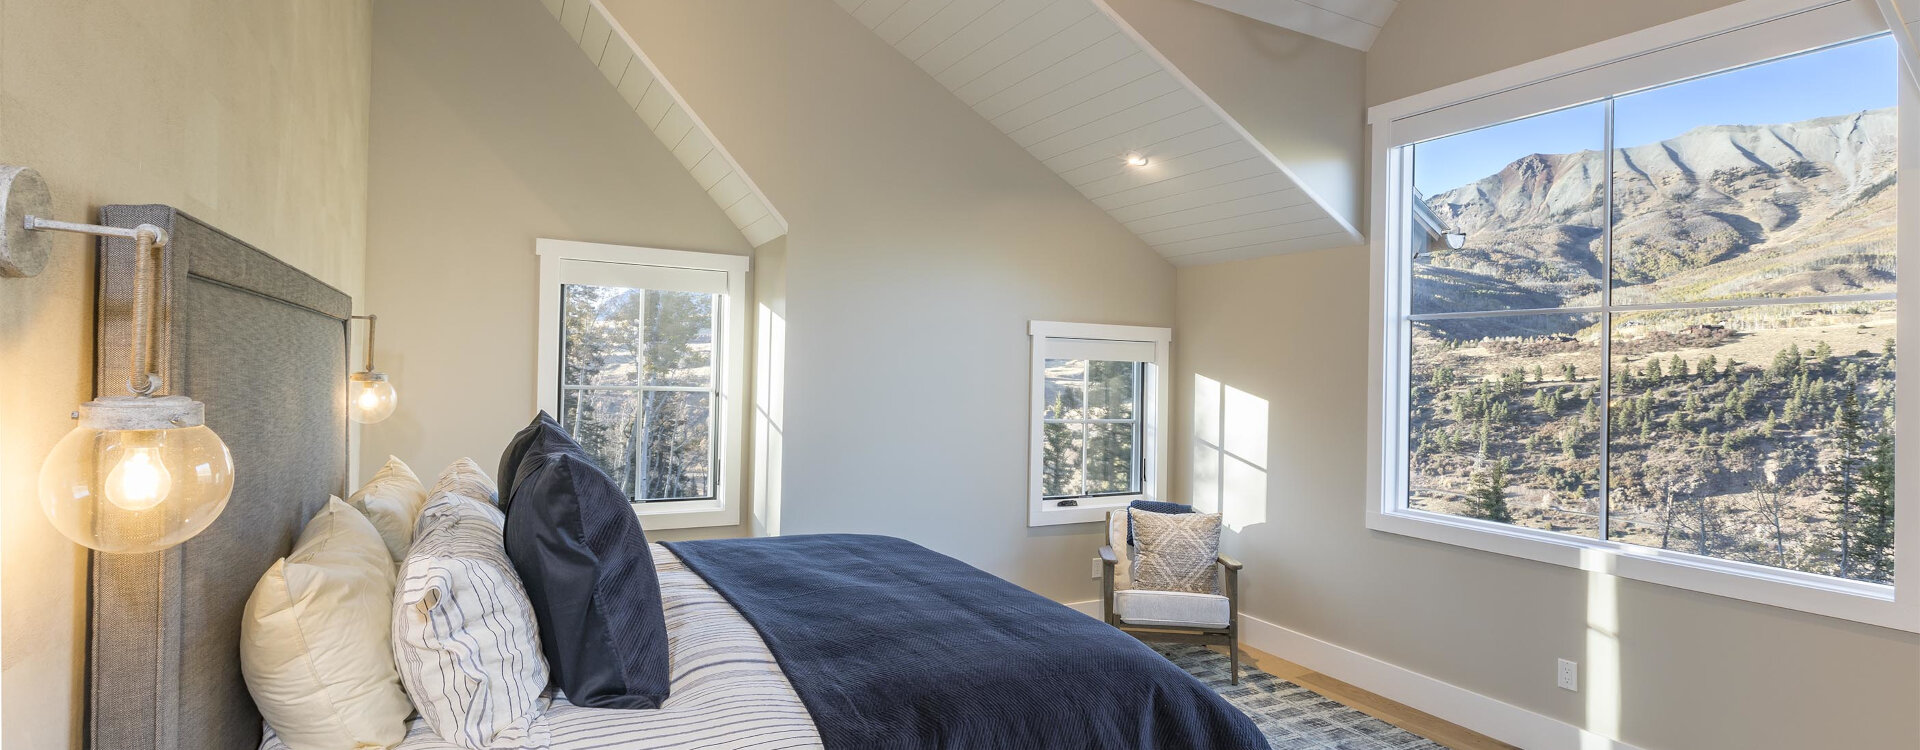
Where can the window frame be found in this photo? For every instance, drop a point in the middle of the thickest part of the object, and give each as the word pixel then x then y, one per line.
pixel 557 268
pixel 1729 37
pixel 1149 409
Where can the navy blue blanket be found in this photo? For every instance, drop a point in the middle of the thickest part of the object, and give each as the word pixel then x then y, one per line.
pixel 892 645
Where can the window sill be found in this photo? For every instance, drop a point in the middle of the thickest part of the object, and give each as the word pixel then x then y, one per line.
pixel 685 514
pixel 1090 509
pixel 1869 603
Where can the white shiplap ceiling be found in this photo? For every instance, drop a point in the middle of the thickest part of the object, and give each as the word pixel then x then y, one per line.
pixel 666 114
pixel 1353 23
pixel 1077 87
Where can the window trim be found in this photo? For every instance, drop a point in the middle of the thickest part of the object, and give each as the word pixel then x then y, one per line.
pixel 723 508
pixel 1758 29
pixel 1042 511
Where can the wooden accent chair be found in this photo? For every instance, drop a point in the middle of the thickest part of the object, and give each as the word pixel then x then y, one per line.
pixel 1167 615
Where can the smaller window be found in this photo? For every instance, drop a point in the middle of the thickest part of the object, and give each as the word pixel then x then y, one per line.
pixel 640 360
pixel 1097 399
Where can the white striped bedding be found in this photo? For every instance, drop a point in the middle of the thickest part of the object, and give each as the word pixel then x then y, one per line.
pixel 728 692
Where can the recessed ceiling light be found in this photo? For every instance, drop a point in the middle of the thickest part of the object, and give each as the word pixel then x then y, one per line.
pixel 1136 160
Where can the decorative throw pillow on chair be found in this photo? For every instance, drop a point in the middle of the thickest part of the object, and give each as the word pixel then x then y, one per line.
pixel 1176 551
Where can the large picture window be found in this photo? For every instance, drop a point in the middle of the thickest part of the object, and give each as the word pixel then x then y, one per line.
pixel 1660 323
pixel 640 364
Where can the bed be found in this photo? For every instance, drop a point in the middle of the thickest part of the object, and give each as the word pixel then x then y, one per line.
pixel 835 641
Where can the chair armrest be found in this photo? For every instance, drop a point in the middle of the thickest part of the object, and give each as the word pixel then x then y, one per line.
pixel 1107 556
pixel 1229 563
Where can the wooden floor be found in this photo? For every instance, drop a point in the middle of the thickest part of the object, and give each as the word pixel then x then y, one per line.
pixel 1392 712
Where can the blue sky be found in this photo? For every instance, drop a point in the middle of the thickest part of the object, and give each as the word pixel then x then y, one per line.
pixel 1839 80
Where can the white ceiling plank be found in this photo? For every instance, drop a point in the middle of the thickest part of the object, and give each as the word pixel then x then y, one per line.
pixel 1232 152
pixel 1220 175
pixel 1270 186
pixel 1371 12
pixel 1042 27
pixel 950 19
pixel 710 169
pixel 661 110
pixel 1269 219
pixel 634 84
pixel 908 18
pixel 1084 33
pixel 1132 94
pixel 574 17
pixel 1283 197
pixel 614 64
pixel 995 22
pixel 1084 146
pixel 1311 18
pixel 1124 71
pixel 1161 157
pixel 593 39
pixel 1107 52
pixel 872 12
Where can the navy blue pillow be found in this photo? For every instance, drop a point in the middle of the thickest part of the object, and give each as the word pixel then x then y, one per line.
pixel 516 452
pixel 583 559
pixel 1150 506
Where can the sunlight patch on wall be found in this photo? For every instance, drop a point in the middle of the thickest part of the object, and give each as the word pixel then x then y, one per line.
pixel 769 410
pixel 1601 681
pixel 1229 453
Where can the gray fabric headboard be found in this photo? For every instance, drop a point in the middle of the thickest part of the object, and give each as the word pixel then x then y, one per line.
pixel 264 346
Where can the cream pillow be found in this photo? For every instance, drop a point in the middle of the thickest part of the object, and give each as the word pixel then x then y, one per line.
pixel 392 500
pixel 1177 551
pixel 316 639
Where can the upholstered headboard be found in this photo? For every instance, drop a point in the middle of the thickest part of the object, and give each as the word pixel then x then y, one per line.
pixel 264 346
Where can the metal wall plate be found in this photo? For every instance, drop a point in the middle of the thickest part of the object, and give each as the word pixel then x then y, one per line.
pixel 23 252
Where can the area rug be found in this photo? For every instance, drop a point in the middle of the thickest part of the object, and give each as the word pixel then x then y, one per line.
pixel 1292 717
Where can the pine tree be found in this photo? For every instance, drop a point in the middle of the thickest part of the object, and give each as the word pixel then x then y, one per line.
pixel 1873 540
pixel 1843 479
pixel 1539 374
pixel 1489 493
pixel 1677 368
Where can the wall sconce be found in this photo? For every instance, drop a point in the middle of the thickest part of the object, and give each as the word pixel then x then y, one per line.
pixel 370 397
pixel 140 472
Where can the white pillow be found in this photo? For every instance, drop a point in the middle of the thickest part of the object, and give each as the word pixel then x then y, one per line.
pixel 466 478
pixel 315 639
pixel 463 631
pixel 392 500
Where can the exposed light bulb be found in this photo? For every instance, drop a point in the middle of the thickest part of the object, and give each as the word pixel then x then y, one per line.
pixel 371 397
pixel 1136 160
pixel 140 481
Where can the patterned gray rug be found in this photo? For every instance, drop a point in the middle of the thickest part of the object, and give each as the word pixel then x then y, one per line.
pixel 1292 717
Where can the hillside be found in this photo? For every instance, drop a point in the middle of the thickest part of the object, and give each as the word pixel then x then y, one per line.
pixel 1716 213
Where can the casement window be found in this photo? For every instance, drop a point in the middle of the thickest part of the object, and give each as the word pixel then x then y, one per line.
pixel 1099 393
pixel 1639 309
pixel 641 359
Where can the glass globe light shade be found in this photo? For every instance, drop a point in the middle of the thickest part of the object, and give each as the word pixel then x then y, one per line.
pixel 138 474
pixel 370 398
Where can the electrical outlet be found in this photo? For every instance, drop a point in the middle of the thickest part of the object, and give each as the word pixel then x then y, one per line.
pixel 1569 675
pixel 1097 568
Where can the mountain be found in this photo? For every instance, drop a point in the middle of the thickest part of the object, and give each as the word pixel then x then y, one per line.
pixel 1718 212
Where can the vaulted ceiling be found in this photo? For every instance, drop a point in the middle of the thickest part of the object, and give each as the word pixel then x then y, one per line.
pixel 1081 90
pixel 667 115
pixel 1076 86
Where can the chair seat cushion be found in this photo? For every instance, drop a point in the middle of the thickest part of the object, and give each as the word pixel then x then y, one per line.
pixel 1171 609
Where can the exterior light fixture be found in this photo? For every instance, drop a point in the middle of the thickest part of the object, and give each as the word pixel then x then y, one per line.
pixel 370 397
pixel 140 472
pixel 1456 239
pixel 1136 160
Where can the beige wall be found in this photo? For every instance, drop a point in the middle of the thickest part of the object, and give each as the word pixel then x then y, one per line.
pixel 1285 340
pixel 922 242
pixel 492 129
pixel 252 116
pixel 1427 44
pixel 1300 96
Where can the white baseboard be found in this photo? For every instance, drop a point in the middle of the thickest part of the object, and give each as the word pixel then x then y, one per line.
pixel 1497 719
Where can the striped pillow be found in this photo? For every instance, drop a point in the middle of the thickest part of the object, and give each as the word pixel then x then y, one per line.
pixel 463 632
